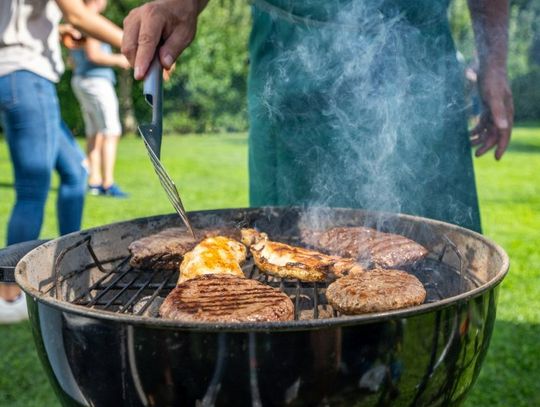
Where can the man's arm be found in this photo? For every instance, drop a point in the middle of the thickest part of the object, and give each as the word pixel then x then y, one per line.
pixel 165 26
pixel 490 24
pixel 95 54
pixel 95 25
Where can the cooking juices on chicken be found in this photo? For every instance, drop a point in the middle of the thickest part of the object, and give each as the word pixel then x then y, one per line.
pixel 214 255
pixel 166 249
pixel 287 261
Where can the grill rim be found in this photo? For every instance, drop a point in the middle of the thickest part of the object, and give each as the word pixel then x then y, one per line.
pixel 285 326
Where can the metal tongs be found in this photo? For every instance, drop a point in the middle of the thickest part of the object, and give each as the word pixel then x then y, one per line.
pixel 151 134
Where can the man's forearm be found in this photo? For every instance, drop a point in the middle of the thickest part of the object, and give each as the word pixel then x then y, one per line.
pixel 490 25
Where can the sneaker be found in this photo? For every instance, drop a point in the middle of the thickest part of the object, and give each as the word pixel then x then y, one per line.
pixel 13 311
pixel 95 190
pixel 114 191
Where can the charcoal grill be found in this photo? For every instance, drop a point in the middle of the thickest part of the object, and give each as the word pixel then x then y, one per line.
pixel 101 342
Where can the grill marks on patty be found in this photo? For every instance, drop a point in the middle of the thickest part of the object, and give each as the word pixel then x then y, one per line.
pixel 223 298
pixel 368 245
pixel 375 291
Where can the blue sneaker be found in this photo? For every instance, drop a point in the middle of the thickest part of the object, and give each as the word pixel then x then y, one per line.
pixel 95 190
pixel 114 191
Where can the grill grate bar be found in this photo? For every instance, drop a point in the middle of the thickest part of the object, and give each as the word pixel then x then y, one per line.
pixel 122 290
pixel 115 280
pixel 137 285
pixel 297 301
pixel 156 293
pixel 315 301
pixel 136 296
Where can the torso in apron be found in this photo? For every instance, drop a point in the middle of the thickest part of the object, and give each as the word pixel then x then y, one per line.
pixel 359 104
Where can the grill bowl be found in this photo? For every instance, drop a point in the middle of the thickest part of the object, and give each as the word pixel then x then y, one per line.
pixel 425 355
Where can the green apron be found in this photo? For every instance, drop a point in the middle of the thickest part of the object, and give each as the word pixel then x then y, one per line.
pixel 359 104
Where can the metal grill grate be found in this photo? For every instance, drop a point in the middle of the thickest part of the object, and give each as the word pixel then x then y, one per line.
pixel 122 289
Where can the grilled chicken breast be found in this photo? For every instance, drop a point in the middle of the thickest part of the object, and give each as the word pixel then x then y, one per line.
pixel 225 298
pixel 375 291
pixel 287 261
pixel 368 245
pixel 214 255
pixel 165 250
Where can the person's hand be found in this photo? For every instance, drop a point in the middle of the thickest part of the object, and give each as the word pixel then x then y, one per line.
pixel 122 62
pixel 70 36
pixel 495 124
pixel 172 23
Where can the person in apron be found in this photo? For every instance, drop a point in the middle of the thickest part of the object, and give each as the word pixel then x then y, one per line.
pixel 355 104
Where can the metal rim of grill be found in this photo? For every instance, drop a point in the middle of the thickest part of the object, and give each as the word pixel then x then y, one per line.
pixel 120 287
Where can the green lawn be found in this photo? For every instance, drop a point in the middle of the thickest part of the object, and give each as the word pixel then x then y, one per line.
pixel 211 171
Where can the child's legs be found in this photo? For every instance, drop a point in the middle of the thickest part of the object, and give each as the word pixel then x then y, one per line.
pixel 94 146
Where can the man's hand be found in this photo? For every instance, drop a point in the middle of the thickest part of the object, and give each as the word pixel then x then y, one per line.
pixel 490 24
pixel 495 125
pixel 169 25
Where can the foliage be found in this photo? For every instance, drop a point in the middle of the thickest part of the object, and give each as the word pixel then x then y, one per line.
pixel 207 90
pixel 523 51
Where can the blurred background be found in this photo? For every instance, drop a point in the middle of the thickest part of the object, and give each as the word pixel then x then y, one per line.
pixel 205 112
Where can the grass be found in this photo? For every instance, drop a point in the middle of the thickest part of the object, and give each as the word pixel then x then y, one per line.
pixel 212 173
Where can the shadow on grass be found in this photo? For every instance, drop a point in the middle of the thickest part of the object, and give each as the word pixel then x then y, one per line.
pixel 509 376
pixel 518 146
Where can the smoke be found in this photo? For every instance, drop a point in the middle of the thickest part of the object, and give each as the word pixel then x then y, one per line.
pixel 363 105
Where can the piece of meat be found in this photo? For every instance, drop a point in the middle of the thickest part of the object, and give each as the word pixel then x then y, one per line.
pixel 165 250
pixel 375 291
pixel 214 255
pixel 222 298
pixel 368 245
pixel 287 261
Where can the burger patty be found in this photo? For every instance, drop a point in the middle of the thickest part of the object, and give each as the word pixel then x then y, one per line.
pixel 368 245
pixel 375 291
pixel 222 298
pixel 286 261
pixel 214 255
pixel 165 250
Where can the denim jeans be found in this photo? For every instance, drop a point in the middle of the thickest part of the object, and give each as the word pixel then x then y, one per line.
pixel 39 142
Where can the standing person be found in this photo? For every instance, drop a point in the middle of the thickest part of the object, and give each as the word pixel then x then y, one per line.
pixel 93 84
pixel 38 140
pixel 354 103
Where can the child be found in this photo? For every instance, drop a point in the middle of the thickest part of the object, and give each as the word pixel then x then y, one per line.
pixel 93 84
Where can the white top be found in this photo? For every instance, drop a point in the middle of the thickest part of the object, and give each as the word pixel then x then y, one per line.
pixel 29 38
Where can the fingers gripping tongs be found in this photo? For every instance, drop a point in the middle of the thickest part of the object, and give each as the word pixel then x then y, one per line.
pixel 151 134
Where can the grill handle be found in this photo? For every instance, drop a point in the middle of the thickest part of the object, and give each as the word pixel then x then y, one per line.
pixel 11 255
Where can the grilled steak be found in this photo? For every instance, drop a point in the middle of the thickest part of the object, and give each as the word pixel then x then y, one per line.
pixel 287 261
pixel 165 250
pixel 368 245
pixel 213 298
pixel 374 291
pixel 214 255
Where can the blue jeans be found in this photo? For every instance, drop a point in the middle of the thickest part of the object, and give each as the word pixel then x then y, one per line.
pixel 39 142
